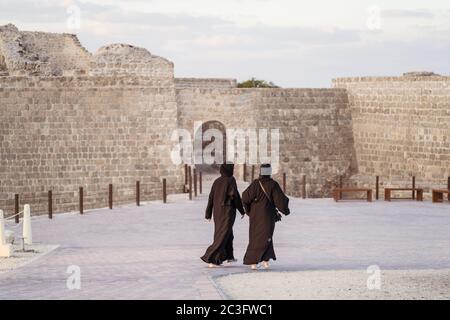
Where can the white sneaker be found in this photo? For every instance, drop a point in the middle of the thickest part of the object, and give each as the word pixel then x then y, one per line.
pixel 254 267
pixel 265 264
pixel 212 265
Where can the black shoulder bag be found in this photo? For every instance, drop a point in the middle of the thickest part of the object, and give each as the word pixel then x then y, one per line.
pixel 276 213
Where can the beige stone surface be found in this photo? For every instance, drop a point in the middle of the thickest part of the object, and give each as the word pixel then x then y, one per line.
pixel 74 119
pixel 337 284
pixel 401 128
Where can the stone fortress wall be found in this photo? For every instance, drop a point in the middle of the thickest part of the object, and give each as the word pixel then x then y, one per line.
pixel 316 136
pixel 88 124
pixel 212 83
pixel 315 128
pixel 40 53
pixel 71 118
pixel 401 128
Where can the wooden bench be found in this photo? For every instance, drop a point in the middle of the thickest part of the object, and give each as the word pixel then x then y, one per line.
pixel 438 194
pixel 337 193
pixel 415 191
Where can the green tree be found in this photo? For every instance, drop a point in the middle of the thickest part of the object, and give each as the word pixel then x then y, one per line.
pixel 255 83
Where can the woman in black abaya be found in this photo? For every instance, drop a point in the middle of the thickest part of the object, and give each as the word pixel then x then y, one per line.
pixel 223 201
pixel 260 201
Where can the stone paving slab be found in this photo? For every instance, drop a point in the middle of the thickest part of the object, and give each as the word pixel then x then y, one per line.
pixel 152 251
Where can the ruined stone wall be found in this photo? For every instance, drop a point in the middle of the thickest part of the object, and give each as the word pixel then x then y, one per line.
pixel 61 133
pixel 62 52
pixel 71 119
pixel 41 53
pixel 123 59
pixel 401 128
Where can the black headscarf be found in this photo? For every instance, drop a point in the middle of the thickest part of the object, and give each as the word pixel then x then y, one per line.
pixel 227 169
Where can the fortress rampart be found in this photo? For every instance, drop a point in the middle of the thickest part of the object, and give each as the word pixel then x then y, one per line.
pixel 401 127
pixel 74 119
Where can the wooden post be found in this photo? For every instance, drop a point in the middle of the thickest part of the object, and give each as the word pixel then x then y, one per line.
pixel 284 182
pixel 81 200
pixel 413 187
pixel 253 173
pixel 377 187
pixel 244 171
pixel 50 204
pixel 448 188
pixel 185 176
pixel 16 208
pixel 110 196
pixel 200 182
pixel 195 182
pixel 164 190
pixel 190 183
pixel 138 193
pixel 304 187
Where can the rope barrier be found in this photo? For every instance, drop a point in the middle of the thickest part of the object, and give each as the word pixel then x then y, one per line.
pixel 10 217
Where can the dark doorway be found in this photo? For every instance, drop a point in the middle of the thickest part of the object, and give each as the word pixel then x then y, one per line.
pixel 212 168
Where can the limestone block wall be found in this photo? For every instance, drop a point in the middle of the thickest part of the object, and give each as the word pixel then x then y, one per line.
pixel 315 136
pixel 315 128
pixel 234 108
pixel 61 133
pixel 41 53
pixel 401 128
pixel 14 60
pixel 62 52
pixel 183 83
pixel 124 59
pixel 71 119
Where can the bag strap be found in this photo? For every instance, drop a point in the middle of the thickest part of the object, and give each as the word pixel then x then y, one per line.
pixel 265 193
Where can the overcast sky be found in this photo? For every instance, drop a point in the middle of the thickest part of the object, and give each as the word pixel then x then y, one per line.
pixel 290 42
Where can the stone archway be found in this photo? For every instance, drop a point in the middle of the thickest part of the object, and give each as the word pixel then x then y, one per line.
pixel 212 124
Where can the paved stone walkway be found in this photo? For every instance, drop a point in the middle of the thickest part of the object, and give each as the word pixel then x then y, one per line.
pixel 152 251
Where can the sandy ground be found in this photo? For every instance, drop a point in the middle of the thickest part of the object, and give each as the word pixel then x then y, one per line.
pixel 20 258
pixel 342 284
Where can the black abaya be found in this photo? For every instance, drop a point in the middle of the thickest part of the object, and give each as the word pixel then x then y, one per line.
pixel 223 201
pixel 262 216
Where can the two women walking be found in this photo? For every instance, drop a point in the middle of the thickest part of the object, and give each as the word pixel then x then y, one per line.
pixel 260 201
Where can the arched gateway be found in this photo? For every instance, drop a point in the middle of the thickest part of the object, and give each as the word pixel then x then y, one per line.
pixel 210 142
